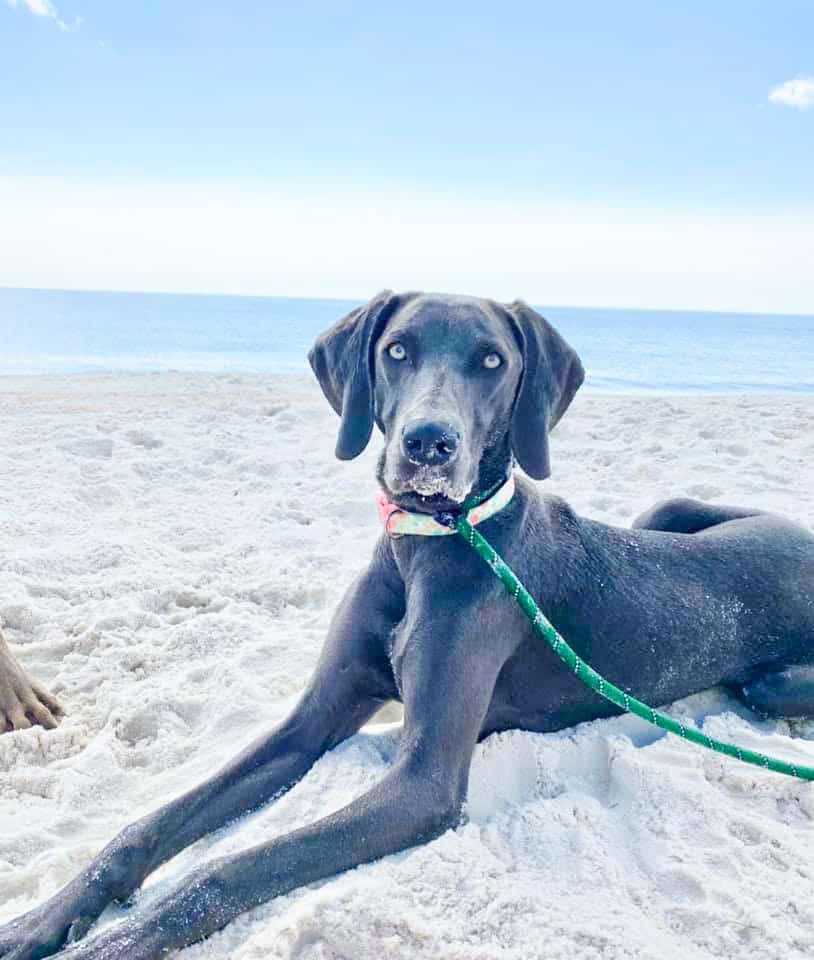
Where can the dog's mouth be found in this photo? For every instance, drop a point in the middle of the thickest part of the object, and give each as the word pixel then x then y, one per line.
pixel 432 482
pixel 427 490
pixel 420 503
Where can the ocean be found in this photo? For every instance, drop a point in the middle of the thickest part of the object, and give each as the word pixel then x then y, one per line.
pixel 54 331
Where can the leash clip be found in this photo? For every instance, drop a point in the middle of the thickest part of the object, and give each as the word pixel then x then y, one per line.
pixel 448 518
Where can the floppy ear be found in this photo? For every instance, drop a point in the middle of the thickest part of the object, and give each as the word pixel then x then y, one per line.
pixel 342 360
pixel 552 374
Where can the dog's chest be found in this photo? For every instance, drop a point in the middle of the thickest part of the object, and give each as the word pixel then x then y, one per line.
pixel 398 647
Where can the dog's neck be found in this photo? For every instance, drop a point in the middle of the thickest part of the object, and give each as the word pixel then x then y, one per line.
pixel 495 466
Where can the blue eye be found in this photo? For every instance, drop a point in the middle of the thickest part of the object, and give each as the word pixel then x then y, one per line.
pixel 396 351
pixel 492 361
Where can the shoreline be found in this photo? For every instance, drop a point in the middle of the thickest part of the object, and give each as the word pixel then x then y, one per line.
pixel 625 389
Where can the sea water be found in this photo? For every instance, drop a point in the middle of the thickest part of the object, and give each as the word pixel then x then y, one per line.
pixel 54 331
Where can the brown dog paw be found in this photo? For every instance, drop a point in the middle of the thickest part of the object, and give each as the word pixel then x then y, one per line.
pixel 23 703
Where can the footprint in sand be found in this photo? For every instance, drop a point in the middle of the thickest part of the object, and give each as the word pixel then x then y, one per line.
pixel 748 833
pixel 17 616
pixel 143 725
pixel 48 591
pixel 189 598
pixel 92 448
pixel 141 438
pixel 272 409
pixel 704 491
pixel 680 885
pixel 167 601
pixel 99 496
pixel 603 503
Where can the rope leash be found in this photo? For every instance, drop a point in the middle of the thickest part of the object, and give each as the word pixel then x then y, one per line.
pixel 586 673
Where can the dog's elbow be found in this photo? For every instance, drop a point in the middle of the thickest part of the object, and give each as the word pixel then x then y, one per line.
pixel 434 805
pixel 442 817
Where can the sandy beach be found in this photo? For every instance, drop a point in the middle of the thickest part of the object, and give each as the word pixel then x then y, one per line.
pixel 172 548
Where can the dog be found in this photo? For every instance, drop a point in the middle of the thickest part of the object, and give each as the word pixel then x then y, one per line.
pixel 693 596
pixel 23 703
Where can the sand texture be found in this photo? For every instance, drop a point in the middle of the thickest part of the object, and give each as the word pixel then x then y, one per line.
pixel 172 548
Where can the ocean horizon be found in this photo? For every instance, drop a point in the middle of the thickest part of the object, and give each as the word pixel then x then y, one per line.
pixel 624 350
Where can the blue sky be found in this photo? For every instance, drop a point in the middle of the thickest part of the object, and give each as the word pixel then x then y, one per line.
pixel 578 153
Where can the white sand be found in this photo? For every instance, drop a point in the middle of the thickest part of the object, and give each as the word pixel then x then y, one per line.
pixel 172 547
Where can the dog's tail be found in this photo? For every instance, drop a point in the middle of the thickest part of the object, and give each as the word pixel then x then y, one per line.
pixel 684 515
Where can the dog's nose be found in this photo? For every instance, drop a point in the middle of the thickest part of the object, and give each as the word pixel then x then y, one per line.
pixel 428 442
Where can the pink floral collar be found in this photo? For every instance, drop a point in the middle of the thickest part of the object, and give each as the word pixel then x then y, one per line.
pixel 398 522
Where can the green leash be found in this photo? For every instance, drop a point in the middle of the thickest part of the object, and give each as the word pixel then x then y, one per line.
pixel 590 677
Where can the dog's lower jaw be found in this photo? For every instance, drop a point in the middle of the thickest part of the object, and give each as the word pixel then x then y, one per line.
pixel 430 483
pixel 422 491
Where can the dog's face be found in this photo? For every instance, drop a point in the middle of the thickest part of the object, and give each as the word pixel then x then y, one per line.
pixel 446 374
pixel 456 384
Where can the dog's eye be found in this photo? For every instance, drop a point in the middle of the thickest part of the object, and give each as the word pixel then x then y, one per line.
pixel 396 351
pixel 492 361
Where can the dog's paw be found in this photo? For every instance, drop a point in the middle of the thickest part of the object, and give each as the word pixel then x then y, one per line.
pixel 18 938
pixel 41 933
pixel 23 703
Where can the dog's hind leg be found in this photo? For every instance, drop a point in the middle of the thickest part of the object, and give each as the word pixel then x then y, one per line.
pixel 784 692
pixel 684 515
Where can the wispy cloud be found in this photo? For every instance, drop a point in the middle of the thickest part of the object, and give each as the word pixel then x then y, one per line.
pixel 798 92
pixel 43 8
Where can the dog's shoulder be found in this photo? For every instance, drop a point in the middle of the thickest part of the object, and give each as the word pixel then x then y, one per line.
pixel 543 508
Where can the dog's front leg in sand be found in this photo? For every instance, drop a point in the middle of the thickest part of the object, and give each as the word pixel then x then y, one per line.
pixel 23 703
pixel 352 680
pixel 447 689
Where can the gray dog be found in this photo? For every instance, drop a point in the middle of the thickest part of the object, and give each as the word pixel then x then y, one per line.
pixel 461 388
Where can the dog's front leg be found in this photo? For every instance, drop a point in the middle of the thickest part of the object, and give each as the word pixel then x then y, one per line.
pixel 351 681
pixel 447 682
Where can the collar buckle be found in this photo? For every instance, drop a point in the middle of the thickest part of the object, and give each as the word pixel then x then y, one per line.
pixel 448 518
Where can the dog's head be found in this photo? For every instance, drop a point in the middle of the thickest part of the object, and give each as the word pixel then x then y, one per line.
pixel 454 383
